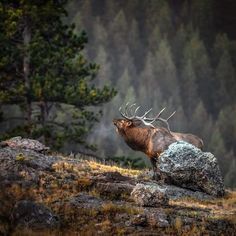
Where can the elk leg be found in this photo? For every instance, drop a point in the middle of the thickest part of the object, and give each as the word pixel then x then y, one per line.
pixel 156 171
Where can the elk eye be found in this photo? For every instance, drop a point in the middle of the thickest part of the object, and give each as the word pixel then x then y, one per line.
pixel 129 123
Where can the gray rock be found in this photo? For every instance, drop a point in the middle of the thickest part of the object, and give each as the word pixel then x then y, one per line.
pixel 114 190
pixel 153 194
pixel 34 216
pixel 85 201
pixel 186 166
pixel 24 143
pixel 139 220
pixel 175 193
pixel 149 195
pixel 157 218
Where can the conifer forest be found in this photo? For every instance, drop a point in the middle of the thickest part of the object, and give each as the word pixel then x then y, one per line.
pixel 65 72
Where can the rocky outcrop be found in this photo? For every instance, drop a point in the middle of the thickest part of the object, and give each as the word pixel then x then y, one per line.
pixel 151 217
pixel 186 166
pixel 33 216
pixel 54 194
pixel 149 195
pixel 153 194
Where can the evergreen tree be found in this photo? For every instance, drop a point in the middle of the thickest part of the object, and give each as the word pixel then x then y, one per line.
pixel 135 44
pixel 230 176
pixel 217 147
pixel 225 79
pixel 200 123
pixel 147 75
pixel 196 51
pixel 177 45
pixel 165 19
pixel 165 72
pixel 126 61
pixel 118 29
pixel 221 45
pixel 152 11
pixel 99 33
pixel 202 17
pixel 189 92
pixel 105 73
pixel 154 38
pixel 227 126
pixel 86 8
pixel 123 83
pixel 54 70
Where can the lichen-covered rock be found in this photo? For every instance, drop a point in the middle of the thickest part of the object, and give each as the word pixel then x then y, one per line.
pixel 176 193
pixel 149 195
pixel 154 194
pixel 114 190
pixel 186 166
pixel 34 216
pixel 154 217
pixel 24 143
pixel 157 218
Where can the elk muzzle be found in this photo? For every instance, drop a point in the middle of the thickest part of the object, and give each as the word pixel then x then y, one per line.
pixel 115 122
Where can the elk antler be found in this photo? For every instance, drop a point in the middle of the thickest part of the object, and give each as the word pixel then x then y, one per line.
pixel 165 121
pixel 146 121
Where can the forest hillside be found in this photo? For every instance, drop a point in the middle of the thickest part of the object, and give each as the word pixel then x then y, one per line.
pixel 174 54
pixel 67 66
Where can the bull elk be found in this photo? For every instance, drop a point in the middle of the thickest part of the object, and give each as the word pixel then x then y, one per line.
pixel 141 135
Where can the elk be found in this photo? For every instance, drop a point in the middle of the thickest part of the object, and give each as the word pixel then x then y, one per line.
pixel 140 134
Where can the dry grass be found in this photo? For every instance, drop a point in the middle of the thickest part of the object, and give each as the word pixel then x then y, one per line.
pixel 101 168
pixel 111 208
pixel 216 209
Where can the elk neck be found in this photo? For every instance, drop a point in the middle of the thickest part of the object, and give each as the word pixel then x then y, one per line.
pixel 138 138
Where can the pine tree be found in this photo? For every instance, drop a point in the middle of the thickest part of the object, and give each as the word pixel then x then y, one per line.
pixel 177 45
pixel 135 43
pixel 154 38
pixel 230 176
pixel 189 91
pixel 152 11
pixel 99 33
pixel 217 147
pixel 118 29
pixel 196 51
pixel 105 74
pixel 165 72
pixel 54 71
pixel 227 126
pixel 225 79
pixel 221 45
pixel 147 75
pixel 202 18
pixel 200 123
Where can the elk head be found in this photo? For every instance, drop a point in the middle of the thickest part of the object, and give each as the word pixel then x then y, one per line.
pixel 133 120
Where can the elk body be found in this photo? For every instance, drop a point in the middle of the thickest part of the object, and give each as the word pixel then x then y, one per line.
pixel 140 134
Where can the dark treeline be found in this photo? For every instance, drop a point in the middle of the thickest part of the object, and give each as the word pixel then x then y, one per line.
pixel 175 54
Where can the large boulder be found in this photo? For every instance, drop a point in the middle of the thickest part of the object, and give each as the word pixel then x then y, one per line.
pixel 184 165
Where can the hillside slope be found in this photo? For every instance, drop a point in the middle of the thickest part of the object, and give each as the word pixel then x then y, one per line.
pixel 49 194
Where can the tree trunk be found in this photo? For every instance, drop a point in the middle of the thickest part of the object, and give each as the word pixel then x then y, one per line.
pixel 26 71
pixel 43 117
